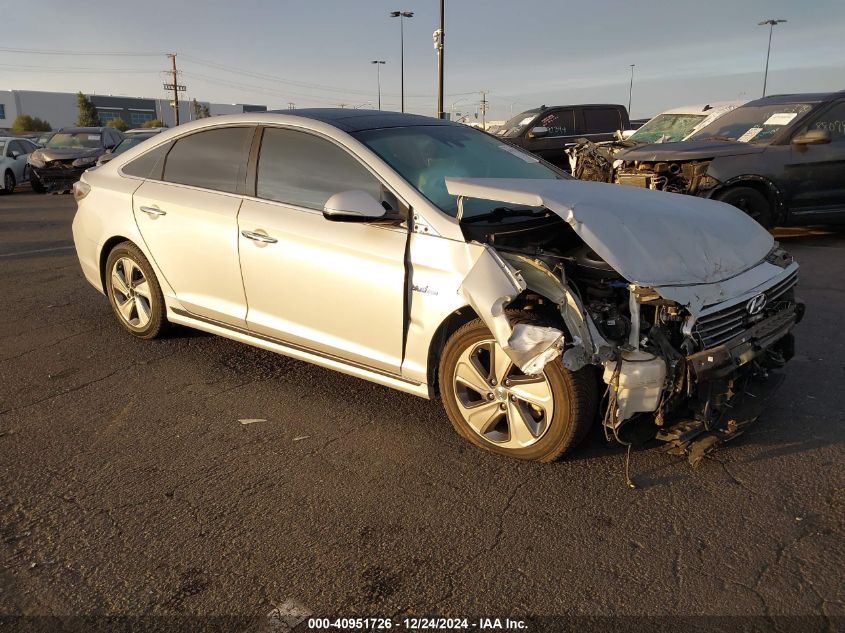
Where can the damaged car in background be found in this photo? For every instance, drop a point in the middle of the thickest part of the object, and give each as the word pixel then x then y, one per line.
pixel 595 160
pixel 435 259
pixel 69 152
pixel 780 159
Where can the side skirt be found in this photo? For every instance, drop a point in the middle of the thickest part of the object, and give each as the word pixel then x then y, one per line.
pixel 175 315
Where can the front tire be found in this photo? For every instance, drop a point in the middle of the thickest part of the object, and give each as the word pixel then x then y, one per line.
pixel 493 405
pixel 8 183
pixel 35 183
pixel 752 202
pixel 134 293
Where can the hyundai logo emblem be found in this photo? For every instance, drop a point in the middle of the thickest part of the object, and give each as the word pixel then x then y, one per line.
pixel 756 305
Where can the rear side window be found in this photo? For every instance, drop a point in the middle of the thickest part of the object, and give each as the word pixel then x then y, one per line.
pixel 214 159
pixel 602 120
pixel 148 165
pixel 305 170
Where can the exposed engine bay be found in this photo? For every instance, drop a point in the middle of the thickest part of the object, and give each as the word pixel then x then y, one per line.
pixel 599 163
pixel 681 376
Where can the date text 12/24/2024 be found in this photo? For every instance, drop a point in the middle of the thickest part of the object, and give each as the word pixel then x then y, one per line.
pixel 417 624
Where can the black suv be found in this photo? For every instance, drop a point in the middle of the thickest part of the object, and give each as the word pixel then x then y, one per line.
pixel 548 131
pixel 781 159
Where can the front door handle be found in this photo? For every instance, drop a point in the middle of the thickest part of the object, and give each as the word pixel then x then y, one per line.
pixel 259 237
pixel 153 212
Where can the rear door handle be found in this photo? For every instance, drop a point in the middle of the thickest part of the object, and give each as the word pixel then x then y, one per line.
pixel 259 237
pixel 153 212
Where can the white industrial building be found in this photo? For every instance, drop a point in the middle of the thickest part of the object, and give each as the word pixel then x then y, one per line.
pixel 59 108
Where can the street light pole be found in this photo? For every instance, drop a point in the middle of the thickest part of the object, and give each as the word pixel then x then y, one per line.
pixel 402 15
pixel 439 44
pixel 771 24
pixel 631 89
pixel 378 64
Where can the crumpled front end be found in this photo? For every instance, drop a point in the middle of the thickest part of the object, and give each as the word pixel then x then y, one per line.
pixel 59 175
pixel 680 357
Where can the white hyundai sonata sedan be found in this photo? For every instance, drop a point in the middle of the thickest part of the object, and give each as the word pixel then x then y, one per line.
pixel 436 259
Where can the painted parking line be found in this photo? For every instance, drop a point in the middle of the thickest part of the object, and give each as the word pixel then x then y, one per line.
pixel 39 250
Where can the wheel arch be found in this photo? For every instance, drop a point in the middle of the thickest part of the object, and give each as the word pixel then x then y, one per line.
pixel 107 248
pixel 758 183
pixel 451 324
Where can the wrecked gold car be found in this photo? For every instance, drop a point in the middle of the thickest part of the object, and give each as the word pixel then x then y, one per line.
pixel 435 259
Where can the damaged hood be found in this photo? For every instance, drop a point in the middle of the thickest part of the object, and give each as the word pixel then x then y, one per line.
pixel 651 238
pixel 48 154
pixel 688 150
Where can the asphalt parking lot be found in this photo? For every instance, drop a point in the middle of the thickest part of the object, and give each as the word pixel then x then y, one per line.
pixel 129 484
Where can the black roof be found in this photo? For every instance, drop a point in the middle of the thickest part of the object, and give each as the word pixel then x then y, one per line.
pixel 352 120
pixel 807 97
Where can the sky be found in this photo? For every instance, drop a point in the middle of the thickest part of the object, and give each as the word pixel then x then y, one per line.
pixel 525 53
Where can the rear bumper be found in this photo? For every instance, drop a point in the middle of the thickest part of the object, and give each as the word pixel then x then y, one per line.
pixel 58 178
pixel 724 359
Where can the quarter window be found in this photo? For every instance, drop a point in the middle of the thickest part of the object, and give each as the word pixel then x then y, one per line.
pixel 304 170
pixel 148 165
pixel 214 159
pixel 602 120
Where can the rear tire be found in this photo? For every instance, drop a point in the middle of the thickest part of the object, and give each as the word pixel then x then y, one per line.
pixel 751 201
pixel 35 183
pixel 8 183
pixel 134 293
pixel 536 418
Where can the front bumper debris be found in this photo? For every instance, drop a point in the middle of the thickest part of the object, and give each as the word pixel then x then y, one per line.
pixel 58 178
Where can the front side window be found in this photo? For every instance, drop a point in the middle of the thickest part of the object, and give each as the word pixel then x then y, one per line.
pixel 833 121
pixel 304 170
pixel 14 146
pixel 425 155
pixel 559 123
pixel 602 120
pixel 516 125
pixel 213 159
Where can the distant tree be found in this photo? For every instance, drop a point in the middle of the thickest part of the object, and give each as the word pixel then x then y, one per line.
pixel 118 124
pixel 88 116
pixel 154 123
pixel 200 110
pixel 25 123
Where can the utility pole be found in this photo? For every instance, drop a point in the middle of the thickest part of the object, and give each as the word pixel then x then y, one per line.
pixel 291 105
pixel 483 109
pixel 172 57
pixel 439 38
pixel 378 63
pixel 771 24
pixel 631 89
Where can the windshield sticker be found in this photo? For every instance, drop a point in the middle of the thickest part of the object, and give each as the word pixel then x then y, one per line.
pixel 781 118
pixel 93 137
pixel 526 157
pixel 526 120
pixel 750 134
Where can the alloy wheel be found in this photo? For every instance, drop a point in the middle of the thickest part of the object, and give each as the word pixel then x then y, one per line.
pixel 8 182
pixel 500 403
pixel 131 292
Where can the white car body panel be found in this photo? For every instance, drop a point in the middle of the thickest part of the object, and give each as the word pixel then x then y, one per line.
pixel 18 166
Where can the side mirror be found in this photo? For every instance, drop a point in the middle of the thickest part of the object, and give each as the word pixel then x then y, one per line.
pixel 812 137
pixel 626 134
pixel 538 132
pixel 353 206
pixel 15 154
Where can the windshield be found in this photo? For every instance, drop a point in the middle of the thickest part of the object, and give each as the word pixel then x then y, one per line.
pixel 426 155
pixel 129 142
pixel 667 128
pixel 63 140
pixel 516 125
pixel 753 124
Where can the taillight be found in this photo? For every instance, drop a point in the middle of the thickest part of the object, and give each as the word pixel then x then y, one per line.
pixel 80 190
